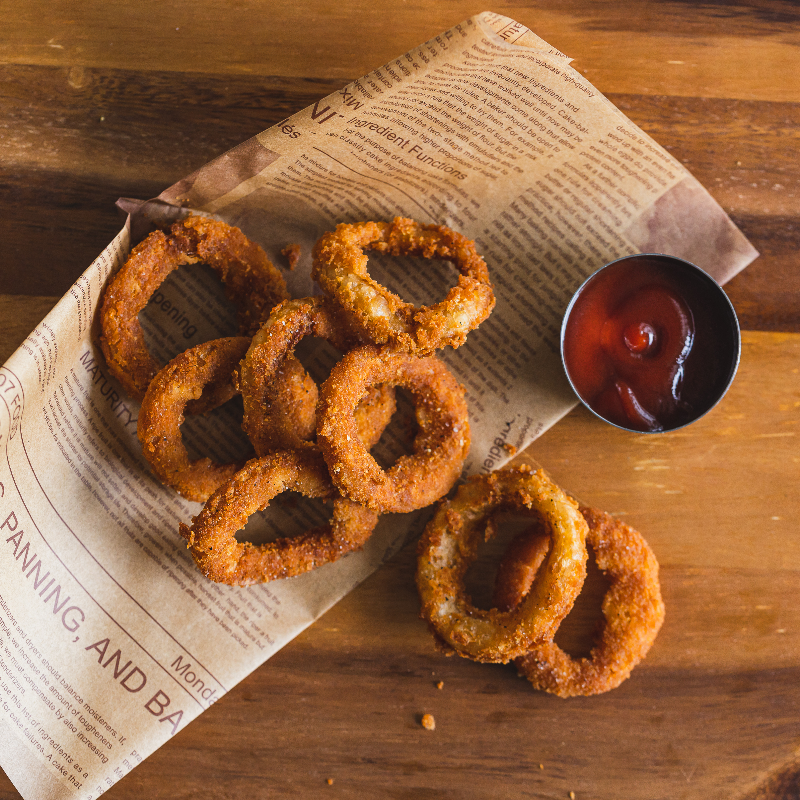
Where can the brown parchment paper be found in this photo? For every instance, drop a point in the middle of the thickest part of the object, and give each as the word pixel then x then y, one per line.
pixel 110 640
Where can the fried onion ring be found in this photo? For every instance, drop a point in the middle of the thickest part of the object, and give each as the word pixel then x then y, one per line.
pixel 340 268
pixel 439 449
pixel 207 370
pixel 251 281
pixel 268 419
pixel 212 535
pixel 449 545
pixel 632 608
pixel 521 561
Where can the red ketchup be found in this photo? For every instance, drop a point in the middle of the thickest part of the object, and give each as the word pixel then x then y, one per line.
pixel 650 343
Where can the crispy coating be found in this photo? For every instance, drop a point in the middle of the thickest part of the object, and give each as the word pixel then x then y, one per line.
pixel 450 543
pixel 284 415
pixel 206 370
pixel 428 722
pixel 280 403
pixel 439 449
pixel 212 535
pixel 251 282
pixel 632 608
pixel 519 565
pixel 340 268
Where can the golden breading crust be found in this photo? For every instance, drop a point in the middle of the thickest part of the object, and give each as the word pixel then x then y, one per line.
pixel 340 268
pixel 212 535
pixel 251 282
pixel 205 370
pixel 280 402
pixel 632 608
pixel 440 447
pixel 450 543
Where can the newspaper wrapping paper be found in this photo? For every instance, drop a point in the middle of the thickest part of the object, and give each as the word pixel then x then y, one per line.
pixel 110 640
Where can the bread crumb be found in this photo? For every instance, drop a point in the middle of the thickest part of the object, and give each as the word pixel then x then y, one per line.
pixel 572 796
pixel 440 685
pixel 541 766
pixel 428 722
pixel 292 254
pixel 329 781
pixel 509 448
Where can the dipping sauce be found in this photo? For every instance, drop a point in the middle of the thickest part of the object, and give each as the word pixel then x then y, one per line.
pixel 650 343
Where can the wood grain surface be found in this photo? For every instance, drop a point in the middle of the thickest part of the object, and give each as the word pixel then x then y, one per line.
pixel 101 100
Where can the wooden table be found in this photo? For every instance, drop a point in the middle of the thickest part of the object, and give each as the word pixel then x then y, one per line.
pixel 101 100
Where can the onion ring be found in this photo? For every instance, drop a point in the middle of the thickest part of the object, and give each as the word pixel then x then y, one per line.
pixel 269 420
pixel 340 268
pixel 207 370
pixel 521 561
pixel 251 281
pixel 632 608
pixel 449 545
pixel 212 535
pixel 440 447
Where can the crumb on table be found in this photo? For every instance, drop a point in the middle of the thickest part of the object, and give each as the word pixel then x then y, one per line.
pixel 428 722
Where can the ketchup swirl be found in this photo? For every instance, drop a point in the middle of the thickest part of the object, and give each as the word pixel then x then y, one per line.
pixel 644 346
